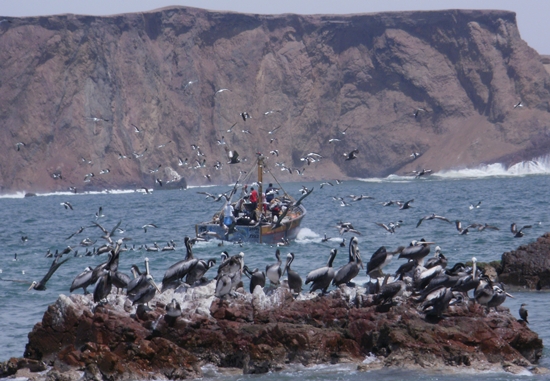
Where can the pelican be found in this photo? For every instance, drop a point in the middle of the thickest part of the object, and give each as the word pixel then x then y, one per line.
pixel 417 250
pixel 103 286
pixel 41 285
pixel 389 291
pixel 82 280
pixel 379 259
pixel 437 259
pixel 274 271
pixel 437 301
pixel 232 264
pixel 223 286
pixel 173 311
pixel 257 278
pixel 120 280
pixel 499 296
pixel 484 291
pixel 350 270
pixel 294 279
pixel 320 278
pixel 432 216
pixel 142 288
pixel 518 233
pixel 198 271
pixel 179 269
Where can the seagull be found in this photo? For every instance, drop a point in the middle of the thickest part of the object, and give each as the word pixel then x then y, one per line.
pixel 422 172
pixel 189 84
pixel 75 233
pixel 222 90
pixel 104 171
pixel 67 205
pixel 245 115
pixel 414 155
pixel 19 145
pixel 404 205
pixel 271 132
pixel 419 110
pixel 233 157
pixel 230 128
pixel 221 141
pixel 274 152
pixel 57 176
pixel 432 216
pixel 144 227
pixel 361 197
pixel 164 145
pixel 352 155
pixel 158 181
pixel 326 183
pixel 472 206
pixel 181 162
pixel 333 140
pixel 518 233
pixel 93 119
pixel 136 129
pixel 99 213
pixel 519 104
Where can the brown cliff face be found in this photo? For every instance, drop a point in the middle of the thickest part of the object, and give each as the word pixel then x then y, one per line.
pixel 320 75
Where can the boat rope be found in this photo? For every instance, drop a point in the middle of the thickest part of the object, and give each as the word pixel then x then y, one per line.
pixel 268 170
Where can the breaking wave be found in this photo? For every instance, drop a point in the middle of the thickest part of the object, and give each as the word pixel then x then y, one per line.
pixel 537 166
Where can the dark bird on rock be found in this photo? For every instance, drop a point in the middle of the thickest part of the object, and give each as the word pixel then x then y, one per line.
pixel 294 279
pixel 103 286
pixel 257 278
pixel 321 278
pixel 274 271
pixel 350 270
pixel 523 313
pixel 379 259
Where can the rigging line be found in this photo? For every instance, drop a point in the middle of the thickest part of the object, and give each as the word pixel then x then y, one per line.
pixel 277 181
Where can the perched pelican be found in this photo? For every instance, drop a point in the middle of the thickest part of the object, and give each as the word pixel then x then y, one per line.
pixel 198 271
pixel 294 279
pixel 437 301
pixel 389 291
pixel 82 280
pixel 232 264
pixel 103 286
pixel 350 270
pixel 484 291
pixel 180 269
pixel 257 278
pixel 379 259
pixel 437 259
pixel 274 271
pixel 120 280
pixel 320 278
pixel 223 286
pixel 499 296
pixel 41 285
pixel 142 288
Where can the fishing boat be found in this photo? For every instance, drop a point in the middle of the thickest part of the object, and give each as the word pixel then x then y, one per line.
pixel 269 222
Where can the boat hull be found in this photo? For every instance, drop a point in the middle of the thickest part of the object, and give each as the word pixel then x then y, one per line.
pixel 253 233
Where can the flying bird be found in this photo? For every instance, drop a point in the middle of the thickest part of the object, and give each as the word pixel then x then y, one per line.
pixel 67 205
pixel 432 216
pixel 351 155
pixel 519 104
pixel 518 233
pixel 18 145
pixel 144 227
pixel 233 157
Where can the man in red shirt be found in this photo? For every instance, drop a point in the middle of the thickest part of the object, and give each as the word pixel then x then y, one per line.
pixel 253 198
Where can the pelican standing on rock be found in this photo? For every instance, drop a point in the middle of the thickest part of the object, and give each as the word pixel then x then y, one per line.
pixel 294 279
pixel 82 280
pixel 274 271
pixel 180 269
pixel 350 270
pixel 257 278
pixel 321 278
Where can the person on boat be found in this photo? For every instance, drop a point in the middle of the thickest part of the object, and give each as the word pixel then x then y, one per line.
pixel 228 218
pixel 253 198
pixel 270 193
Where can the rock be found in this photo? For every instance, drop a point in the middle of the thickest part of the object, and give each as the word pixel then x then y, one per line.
pixel 90 79
pixel 528 266
pixel 106 342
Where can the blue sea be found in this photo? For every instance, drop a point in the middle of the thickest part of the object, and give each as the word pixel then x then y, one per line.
pixel 518 194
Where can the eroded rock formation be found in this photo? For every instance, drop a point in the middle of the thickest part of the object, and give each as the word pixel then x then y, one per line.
pixel 259 333
pixel 77 89
pixel 528 266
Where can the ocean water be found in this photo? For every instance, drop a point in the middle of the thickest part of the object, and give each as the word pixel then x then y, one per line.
pixel 518 194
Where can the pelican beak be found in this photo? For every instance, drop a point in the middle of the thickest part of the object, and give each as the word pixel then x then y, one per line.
pixel 507 294
pixel 426 243
pixel 155 285
pixel 32 285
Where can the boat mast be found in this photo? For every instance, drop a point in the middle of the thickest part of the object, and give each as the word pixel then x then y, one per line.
pixel 260 205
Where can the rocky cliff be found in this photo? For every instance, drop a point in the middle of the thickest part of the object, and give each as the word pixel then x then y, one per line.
pixel 75 91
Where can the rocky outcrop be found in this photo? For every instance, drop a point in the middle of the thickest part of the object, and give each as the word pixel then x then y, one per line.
pixel 528 266
pixel 131 92
pixel 259 333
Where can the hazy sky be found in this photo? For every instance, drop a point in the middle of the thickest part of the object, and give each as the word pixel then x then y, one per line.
pixel 532 15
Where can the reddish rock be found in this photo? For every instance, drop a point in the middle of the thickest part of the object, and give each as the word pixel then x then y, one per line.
pixel 321 330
